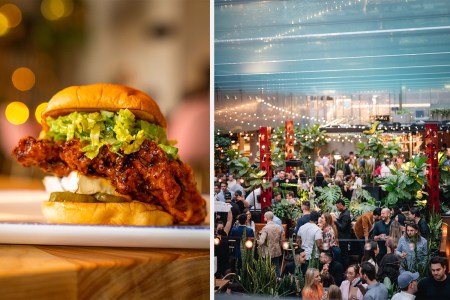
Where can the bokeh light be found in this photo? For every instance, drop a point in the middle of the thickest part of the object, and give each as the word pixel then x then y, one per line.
pixel 38 112
pixel 17 113
pixel 12 14
pixel 56 9
pixel 3 24
pixel 23 79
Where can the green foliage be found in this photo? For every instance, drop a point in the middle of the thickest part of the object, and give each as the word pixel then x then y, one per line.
pixel 375 147
pixel 361 205
pixel 310 139
pixel 436 112
pixel 314 261
pixel 240 165
pixel 405 183
pixel 435 225
pixel 391 287
pixel 221 146
pixel 285 210
pixel 328 196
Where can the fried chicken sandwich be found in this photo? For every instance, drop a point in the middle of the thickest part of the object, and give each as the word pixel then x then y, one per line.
pixel 111 161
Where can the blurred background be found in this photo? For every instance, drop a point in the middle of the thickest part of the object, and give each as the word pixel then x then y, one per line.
pixel 159 47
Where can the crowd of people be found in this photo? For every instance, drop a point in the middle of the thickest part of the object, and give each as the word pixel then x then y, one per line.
pixel 354 257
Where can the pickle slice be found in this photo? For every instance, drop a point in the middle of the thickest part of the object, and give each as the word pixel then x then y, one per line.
pixel 103 197
pixel 71 197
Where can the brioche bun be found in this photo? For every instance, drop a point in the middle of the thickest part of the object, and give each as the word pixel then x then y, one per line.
pixel 127 213
pixel 110 97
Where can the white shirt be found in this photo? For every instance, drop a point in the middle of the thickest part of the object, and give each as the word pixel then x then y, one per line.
pixel 403 296
pixel 385 171
pixel 309 234
pixel 357 183
pixel 251 199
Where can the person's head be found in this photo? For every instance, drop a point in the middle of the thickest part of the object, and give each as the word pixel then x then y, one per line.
pixel 340 174
pixel 371 251
pixel 242 218
pixel 340 205
pixel 216 188
pixel 395 229
pixel 282 175
pixel 248 213
pixel 290 195
pixel 227 196
pixel 238 193
pixel 277 197
pixel 352 272
pixel 219 226
pixel 314 216
pixel 327 280
pixel 312 278
pixel 414 212
pixel 389 266
pixel 300 255
pixel 355 173
pixel 438 267
pixel 334 292
pixel 321 222
pixel 230 177
pixel 306 206
pixel 328 219
pixel 302 177
pixel 223 186
pixel 407 282
pixel 326 257
pixel 386 215
pixel 268 216
pixel 368 271
pixel 401 219
pixel 377 214
pixel 412 230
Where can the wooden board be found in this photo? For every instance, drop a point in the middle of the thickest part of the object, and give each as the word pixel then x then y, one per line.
pixel 62 272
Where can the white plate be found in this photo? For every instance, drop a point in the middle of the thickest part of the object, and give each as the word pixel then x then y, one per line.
pixel 21 222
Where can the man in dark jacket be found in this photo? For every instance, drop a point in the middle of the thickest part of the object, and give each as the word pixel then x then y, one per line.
pixel 344 227
pixel 332 267
pixel 421 222
pixel 236 234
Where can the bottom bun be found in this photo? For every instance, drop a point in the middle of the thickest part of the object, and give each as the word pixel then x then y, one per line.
pixel 126 213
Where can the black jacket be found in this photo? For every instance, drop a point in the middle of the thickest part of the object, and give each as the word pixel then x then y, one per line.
pixel 423 228
pixel 344 225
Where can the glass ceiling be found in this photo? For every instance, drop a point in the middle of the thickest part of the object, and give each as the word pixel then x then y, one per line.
pixel 332 47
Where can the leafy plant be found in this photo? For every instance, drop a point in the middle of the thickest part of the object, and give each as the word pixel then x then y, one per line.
pixel 221 146
pixel 405 183
pixel 374 147
pixel 357 208
pixel 391 287
pixel 310 139
pixel 285 210
pixel 328 196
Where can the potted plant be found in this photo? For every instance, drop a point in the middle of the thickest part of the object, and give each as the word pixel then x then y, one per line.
pixel 406 183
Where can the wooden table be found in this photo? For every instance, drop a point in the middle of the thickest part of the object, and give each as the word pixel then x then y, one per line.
pixel 72 272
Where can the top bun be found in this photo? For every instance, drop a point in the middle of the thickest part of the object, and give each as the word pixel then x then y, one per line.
pixel 102 96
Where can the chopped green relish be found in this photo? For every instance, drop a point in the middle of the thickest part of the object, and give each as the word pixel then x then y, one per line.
pixel 120 130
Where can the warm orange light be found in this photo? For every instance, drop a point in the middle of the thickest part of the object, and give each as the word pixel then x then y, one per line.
pixel 444 229
pixel 12 14
pixel 248 244
pixel 3 24
pixel 285 245
pixel 216 241
pixel 23 79
pixel 56 9
pixel 17 113
pixel 38 112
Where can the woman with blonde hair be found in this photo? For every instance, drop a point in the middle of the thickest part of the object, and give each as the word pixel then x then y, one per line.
pixel 395 233
pixel 330 236
pixel 313 289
